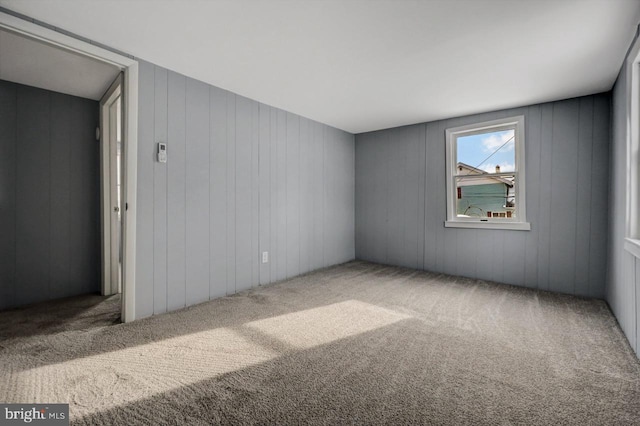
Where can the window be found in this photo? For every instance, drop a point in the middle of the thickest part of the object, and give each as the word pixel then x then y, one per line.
pixel 485 175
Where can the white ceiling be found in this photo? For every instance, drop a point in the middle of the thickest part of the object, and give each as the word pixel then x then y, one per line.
pixel 365 65
pixel 33 63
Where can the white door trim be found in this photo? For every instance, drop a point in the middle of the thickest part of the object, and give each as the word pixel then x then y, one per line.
pixel 130 114
pixel 110 261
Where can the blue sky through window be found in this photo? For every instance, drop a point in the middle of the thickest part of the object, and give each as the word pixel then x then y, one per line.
pixel 473 150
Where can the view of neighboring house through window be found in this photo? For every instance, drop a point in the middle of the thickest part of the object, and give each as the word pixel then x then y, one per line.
pixel 485 181
pixel 483 189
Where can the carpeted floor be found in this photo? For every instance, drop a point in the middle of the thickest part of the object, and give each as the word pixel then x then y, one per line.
pixel 353 344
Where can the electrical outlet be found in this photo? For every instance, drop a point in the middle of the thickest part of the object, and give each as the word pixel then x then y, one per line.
pixel 265 257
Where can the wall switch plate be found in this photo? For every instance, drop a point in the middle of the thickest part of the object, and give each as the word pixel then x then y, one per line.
pixel 265 256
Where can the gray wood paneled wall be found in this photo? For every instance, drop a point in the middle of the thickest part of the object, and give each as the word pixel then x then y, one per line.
pixel 623 284
pixel 401 201
pixel 49 195
pixel 241 178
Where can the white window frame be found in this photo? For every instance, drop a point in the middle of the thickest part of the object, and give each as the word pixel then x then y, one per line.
pixel 520 221
pixel 632 228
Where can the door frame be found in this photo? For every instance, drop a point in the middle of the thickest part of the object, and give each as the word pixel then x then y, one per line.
pixel 129 66
pixel 106 187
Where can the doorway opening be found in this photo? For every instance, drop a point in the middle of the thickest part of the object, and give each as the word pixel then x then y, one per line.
pixel 38 59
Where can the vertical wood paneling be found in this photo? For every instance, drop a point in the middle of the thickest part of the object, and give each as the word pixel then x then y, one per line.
pixel 484 254
pixel 231 193
pixel 396 180
pixel 347 242
pixel 254 254
pixel 467 247
pixel 450 236
pixel 93 177
pixel 241 178
pixel 342 185
pixel 274 223
pixel 318 196
pixel 306 196
pixel 514 258
pixel 144 198
pixel 363 171
pixel 583 195
pixel 450 258
pixel 160 224
pixel 293 194
pixel 566 180
pixel 333 190
pixel 176 191
pixel 600 207
pixel 90 220
pixel 32 195
pixel 432 154
pixel 404 223
pixel 60 267
pixel 243 193
pixel 281 195
pixel 265 191
pixel 362 191
pixel 49 205
pixel 197 194
pixel 417 163
pixel 439 193
pixel 329 190
pixel 78 252
pixel 8 130
pixel 498 256
pixel 218 192
pixel 544 203
pixel 377 209
pixel 564 173
pixel 533 124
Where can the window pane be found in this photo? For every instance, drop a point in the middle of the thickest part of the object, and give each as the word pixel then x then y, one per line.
pixel 491 152
pixel 485 196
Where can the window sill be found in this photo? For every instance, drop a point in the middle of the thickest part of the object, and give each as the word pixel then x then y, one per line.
pixel 513 226
pixel 632 246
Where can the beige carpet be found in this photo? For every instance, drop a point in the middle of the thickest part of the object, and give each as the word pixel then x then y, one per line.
pixel 353 344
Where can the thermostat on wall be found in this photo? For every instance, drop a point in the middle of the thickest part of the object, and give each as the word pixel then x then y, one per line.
pixel 162 152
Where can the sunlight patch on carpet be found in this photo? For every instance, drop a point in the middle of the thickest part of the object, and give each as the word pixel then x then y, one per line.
pixel 319 326
pixel 99 382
